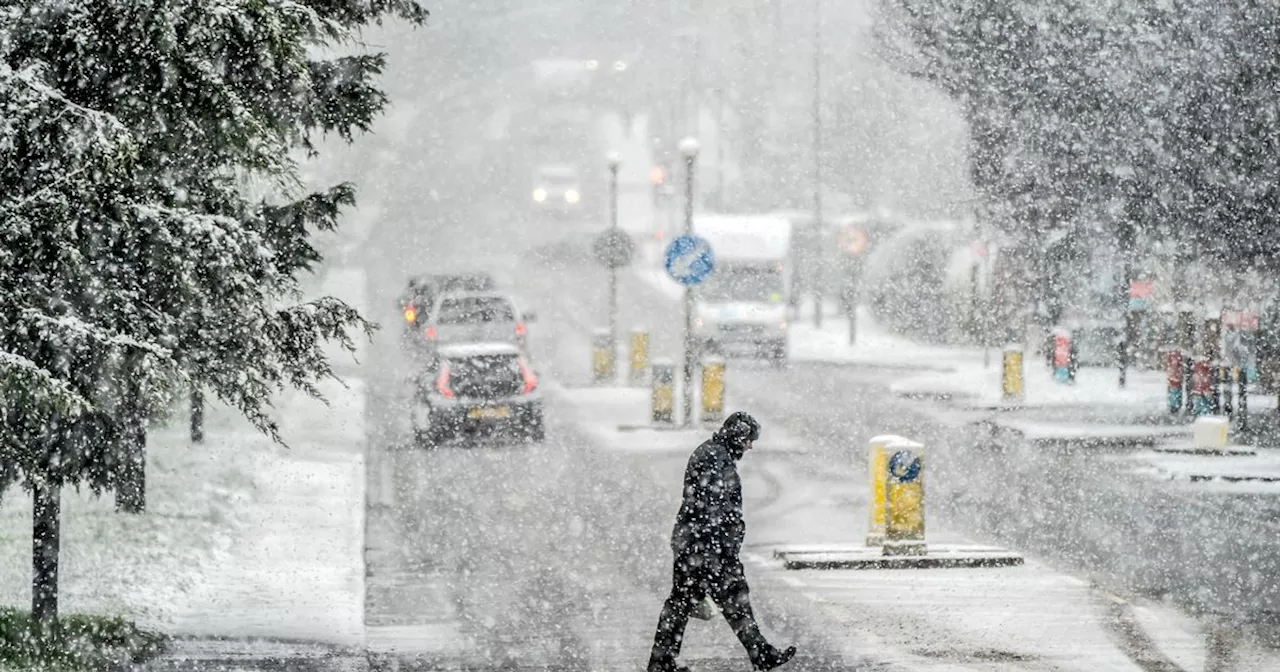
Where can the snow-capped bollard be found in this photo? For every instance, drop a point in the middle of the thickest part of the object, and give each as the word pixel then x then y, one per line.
pixel 602 357
pixel 1011 389
pixel 877 474
pixel 897 511
pixel 1173 378
pixel 639 356
pixel 904 499
pixel 712 389
pixel 662 392
pixel 1209 432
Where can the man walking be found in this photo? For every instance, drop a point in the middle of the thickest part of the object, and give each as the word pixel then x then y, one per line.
pixel 706 541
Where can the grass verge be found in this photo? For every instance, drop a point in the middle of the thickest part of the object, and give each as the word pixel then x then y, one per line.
pixel 73 643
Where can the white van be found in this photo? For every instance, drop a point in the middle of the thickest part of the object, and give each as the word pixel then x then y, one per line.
pixel 741 307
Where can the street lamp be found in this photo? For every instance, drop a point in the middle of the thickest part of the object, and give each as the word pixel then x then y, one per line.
pixel 615 160
pixel 820 271
pixel 689 150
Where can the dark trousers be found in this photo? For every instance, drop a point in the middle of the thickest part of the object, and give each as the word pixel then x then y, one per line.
pixel 694 578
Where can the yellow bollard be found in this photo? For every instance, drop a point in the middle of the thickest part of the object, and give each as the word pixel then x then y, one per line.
pixel 877 472
pixel 663 392
pixel 639 355
pixel 904 499
pixel 1011 375
pixel 602 358
pixel 712 389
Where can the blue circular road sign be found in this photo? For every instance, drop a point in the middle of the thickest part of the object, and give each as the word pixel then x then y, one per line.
pixel 904 466
pixel 689 260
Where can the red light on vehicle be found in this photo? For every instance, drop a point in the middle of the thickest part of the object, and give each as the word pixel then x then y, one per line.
pixel 442 383
pixel 530 380
pixel 657 175
pixel 430 333
pixel 520 329
pixel 410 314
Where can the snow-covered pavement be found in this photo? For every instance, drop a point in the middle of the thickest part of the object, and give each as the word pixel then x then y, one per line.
pixel 241 537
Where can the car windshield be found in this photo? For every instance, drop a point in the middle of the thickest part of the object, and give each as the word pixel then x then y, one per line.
pixel 475 309
pixel 743 283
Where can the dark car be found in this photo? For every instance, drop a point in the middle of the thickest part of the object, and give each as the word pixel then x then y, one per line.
pixel 423 291
pixel 478 388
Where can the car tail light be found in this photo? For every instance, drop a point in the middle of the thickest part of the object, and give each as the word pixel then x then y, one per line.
pixel 430 333
pixel 530 380
pixel 520 329
pixel 410 314
pixel 442 383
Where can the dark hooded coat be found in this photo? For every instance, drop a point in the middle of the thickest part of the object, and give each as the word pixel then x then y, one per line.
pixel 710 522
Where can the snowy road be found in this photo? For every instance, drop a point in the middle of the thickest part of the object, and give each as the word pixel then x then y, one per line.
pixel 556 554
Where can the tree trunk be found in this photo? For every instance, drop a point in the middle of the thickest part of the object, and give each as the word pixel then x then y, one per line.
pixel 197 415
pixel 131 474
pixel 45 542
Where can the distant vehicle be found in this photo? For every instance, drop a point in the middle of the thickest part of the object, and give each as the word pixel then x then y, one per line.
pixel 741 308
pixel 423 290
pixel 476 317
pixel 557 188
pixel 478 388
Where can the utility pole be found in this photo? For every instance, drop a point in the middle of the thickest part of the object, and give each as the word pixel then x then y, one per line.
pixel 820 266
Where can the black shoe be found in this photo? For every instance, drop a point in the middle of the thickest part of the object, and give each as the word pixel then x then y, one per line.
pixel 772 657
pixel 669 665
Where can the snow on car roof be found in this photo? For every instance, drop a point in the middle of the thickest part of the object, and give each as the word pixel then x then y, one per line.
pixel 557 170
pixel 462 350
pixel 477 294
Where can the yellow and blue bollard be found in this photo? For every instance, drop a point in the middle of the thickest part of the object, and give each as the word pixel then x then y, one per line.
pixel 662 394
pixel 904 499
pixel 639 356
pixel 877 474
pixel 1011 387
pixel 712 389
pixel 603 356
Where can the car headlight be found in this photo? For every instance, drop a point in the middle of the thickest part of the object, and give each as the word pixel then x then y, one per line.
pixel 571 196
pixel 539 195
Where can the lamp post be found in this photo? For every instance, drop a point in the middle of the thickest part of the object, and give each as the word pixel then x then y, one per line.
pixel 689 150
pixel 614 161
pixel 819 272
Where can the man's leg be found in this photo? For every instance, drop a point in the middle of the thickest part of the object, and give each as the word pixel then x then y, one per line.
pixel 686 592
pixel 729 589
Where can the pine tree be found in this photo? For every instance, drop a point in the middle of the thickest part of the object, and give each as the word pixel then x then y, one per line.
pixel 140 262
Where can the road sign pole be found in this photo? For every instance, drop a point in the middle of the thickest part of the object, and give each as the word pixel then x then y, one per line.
pixel 689 149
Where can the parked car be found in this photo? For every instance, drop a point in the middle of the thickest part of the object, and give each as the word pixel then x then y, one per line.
pixel 478 388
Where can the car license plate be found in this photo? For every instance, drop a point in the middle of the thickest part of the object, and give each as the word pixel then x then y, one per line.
pixel 489 413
